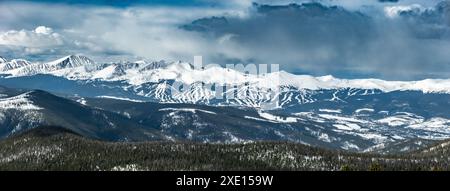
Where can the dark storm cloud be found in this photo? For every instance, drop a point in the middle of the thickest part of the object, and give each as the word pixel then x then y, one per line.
pixel 431 23
pixel 319 39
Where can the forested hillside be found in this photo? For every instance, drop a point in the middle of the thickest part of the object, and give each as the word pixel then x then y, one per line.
pixel 53 148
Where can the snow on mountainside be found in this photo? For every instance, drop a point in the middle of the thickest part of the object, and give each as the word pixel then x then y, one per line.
pixel 18 112
pixel 72 63
pixel 13 64
pixel 156 81
pixel 367 115
pixel 3 60
pixel 20 102
pixel 77 67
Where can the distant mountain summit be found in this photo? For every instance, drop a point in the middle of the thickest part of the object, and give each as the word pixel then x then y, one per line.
pixel 71 61
pixel 141 73
pixel 13 64
pixel 156 81
pixel 22 67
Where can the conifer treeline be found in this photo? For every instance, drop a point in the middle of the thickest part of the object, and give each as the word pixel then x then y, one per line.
pixel 70 152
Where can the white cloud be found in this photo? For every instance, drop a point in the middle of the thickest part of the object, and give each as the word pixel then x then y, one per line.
pixel 40 37
pixel 43 30
pixel 150 32
pixel 394 11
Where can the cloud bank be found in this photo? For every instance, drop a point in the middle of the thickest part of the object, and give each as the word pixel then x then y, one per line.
pixel 35 41
pixel 401 40
pixel 410 42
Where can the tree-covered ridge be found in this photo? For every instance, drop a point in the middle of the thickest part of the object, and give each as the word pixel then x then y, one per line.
pixel 53 149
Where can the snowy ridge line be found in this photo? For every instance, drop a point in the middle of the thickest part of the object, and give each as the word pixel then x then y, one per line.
pixel 77 67
pixel 192 110
pixel 19 102
pixel 120 98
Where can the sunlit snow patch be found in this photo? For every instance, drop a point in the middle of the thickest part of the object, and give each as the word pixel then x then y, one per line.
pixel 187 110
pixel 278 119
pixel 20 102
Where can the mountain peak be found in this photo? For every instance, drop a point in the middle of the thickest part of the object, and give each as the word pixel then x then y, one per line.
pixel 13 64
pixel 72 61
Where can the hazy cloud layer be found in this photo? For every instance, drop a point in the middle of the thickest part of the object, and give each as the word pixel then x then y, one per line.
pixel 408 39
pixel 321 39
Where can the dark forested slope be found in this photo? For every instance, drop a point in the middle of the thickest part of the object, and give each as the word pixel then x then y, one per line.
pixel 54 148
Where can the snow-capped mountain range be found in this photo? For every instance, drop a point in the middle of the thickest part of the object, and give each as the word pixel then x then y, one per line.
pixel 360 114
pixel 13 64
pixel 154 80
pixel 78 67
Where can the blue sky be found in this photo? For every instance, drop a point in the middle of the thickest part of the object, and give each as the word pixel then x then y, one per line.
pixel 403 40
